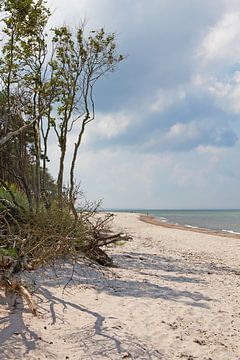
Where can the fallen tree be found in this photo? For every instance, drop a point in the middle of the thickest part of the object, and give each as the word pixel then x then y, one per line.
pixel 40 241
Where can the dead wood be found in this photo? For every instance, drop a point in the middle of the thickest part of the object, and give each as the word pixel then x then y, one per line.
pixel 15 286
pixel 10 268
pixel 42 241
pixel 99 239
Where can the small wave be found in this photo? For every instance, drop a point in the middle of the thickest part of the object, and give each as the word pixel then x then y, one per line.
pixel 192 227
pixel 231 232
pixel 163 219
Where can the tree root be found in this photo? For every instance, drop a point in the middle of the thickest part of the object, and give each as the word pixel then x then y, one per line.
pixel 94 252
pixel 98 256
pixel 16 287
pixel 10 268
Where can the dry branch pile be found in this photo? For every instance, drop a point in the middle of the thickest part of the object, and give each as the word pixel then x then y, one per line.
pixel 40 240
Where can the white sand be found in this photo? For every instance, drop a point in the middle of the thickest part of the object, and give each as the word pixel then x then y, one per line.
pixel 174 295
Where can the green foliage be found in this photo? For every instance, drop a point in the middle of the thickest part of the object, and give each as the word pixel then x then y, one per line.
pixel 8 251
pixel 52 233
pixel 24 23
pixel 120 243
pixel 11 191
pixel 42 237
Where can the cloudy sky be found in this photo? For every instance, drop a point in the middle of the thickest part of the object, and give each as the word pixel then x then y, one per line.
pixel 167 124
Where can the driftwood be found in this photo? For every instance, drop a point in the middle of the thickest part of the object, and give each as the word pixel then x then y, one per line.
pixel 110 239
pixel 93 250
pixel 11 284
pixel 99 235
pixel 15 286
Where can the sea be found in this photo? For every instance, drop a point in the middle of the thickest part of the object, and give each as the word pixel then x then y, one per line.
pixel 218 220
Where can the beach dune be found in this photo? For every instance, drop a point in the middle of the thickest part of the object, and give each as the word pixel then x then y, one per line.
pixel 174 294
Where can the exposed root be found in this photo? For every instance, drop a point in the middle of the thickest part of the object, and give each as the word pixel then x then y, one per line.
pixel 10 267
pixel 15 286
pixel 93 249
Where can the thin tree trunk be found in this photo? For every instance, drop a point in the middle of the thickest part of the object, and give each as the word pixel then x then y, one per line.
pixel 61 172
pixel 73 164
pixel 45 152
pixel 38 164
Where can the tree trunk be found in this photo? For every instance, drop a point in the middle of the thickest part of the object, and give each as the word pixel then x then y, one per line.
pixel 61 173
pixel 38 164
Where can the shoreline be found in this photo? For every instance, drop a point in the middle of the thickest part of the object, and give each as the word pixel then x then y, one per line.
pixel 150 219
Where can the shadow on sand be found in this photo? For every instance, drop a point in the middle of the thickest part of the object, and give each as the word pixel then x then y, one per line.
pixel 101 341
pixel 136 260
pixel 145 287
pixel 16 334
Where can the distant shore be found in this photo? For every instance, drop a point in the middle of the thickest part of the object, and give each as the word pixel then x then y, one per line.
pixel 221 222
pixel 155 221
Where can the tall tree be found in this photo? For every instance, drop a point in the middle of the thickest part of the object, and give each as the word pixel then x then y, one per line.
pixel 79 62
pixel 48 88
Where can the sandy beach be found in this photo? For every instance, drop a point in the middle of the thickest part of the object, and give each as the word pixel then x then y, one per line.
pixel 175 294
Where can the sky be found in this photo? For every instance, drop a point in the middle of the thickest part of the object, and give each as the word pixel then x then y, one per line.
pixel 167 127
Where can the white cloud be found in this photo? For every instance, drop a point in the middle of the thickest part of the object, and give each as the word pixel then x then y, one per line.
pixel 166 98
pixel 225 92
pixel 183 132
pixel 130 179
pixel 107 126
pixel 217 55
pixel 219 88
pixel 122 176
pixel 112 124
pixel 179 136
pixel 221 43
pixel 208 149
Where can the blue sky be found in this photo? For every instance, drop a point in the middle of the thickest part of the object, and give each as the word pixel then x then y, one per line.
pixel 167 126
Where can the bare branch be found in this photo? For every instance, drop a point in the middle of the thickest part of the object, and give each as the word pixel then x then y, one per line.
pixel 15 133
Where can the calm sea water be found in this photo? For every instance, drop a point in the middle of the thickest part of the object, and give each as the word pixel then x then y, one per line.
pixel 223 220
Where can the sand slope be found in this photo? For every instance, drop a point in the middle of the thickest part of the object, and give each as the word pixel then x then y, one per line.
pixel 174 295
